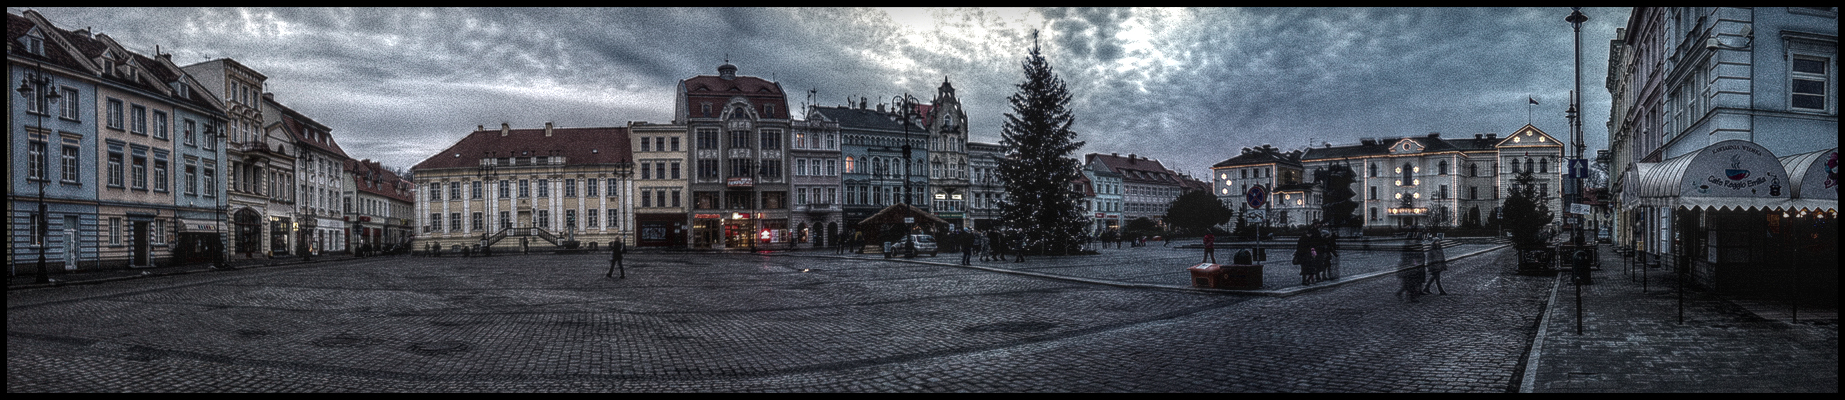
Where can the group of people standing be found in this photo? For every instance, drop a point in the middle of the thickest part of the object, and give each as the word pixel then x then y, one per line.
pixel 992 245
pixel 1420 267
pixel 1316 253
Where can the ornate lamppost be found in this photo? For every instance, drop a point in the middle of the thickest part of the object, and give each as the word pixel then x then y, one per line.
pixel 38 82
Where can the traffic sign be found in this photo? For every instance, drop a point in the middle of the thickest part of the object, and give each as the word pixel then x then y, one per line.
pixel 1257 196
pixel 1579 168
pixel 1255 215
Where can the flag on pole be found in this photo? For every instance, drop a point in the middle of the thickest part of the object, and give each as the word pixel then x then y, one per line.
pixel 1533 100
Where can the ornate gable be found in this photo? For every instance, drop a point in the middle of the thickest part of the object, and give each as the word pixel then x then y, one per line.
pixel 1529 136
pixel 1407 146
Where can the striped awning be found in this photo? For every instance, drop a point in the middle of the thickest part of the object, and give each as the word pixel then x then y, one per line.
pixel 1732 174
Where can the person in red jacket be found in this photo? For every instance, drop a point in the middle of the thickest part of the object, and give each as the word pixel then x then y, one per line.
pixel 1210 249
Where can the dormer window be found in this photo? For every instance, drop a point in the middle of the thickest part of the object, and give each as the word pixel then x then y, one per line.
pixel 34 42
pixel 768 111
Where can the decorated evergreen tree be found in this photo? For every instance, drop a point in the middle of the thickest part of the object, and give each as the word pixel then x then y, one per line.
pixel 1040 166
pixel 1527 211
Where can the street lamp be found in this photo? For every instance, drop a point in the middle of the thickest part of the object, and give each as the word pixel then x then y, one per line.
pixel 904 102
pixel 37 81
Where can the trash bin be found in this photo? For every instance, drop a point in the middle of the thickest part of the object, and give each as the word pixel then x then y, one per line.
pixel 1241 277
pixel 1206 275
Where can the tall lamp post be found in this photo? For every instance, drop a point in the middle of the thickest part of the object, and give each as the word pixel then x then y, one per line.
pixel 1576 19
pixel 35 82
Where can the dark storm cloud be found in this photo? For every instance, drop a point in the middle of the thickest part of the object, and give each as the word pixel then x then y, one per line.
pixel 1187 86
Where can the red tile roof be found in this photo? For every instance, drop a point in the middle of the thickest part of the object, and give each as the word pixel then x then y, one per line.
pixel 578 146
pixel 371 177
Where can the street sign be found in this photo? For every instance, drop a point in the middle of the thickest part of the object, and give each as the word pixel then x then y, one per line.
pixel 1579 168
pixel 1257 196
pixel 1579 208
pixel 1255 215
pixel 909 220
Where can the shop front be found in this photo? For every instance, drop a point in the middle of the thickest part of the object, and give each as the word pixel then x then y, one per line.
pixel 660 230
pixel 199 241
pixel 1727 216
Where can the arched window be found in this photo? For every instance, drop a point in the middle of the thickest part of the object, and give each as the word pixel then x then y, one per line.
pixel 1473 169
pixel 1543 165
pixel 1528 167
pixel 1442 169
pixel 851 165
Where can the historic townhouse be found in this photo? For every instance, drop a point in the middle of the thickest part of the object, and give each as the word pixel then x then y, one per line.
pixel 254 163
pixel 1105 203
pixel 874 171
pixel 1278 173
pixel 522 188
pixel 948 164
pixel 1726 145
pixel 1148 188
pixel 379 208
pixel 51 147
pixel 987 190
pixel 660 217
pixel 136 101
pixel 740 127
pixel 320 225
pixel 816 214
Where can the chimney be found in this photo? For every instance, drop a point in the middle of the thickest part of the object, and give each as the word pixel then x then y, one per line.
pixel 861 102
pixel 1115 155
pixel 881 108
pixel 1131 158
pixel 505 129
pixel 1491 136
pixel 478 128
pixel 1477 136
pixel 547 129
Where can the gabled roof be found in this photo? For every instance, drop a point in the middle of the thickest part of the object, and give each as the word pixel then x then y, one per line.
pixel 371 177
pixel 305 131
pixel 578 146
pixel 58 49
pixel 1134 169
pixel 862 119
pixel 1256 158
pixel 1523 138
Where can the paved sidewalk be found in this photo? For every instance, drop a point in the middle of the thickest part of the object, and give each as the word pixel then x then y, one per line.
pixel 1632 341
pixel 27 273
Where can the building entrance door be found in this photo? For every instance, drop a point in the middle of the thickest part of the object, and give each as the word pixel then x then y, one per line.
pixel 138 256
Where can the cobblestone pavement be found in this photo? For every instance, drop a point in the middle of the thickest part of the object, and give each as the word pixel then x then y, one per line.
pixel 1631 340
pixel 806 322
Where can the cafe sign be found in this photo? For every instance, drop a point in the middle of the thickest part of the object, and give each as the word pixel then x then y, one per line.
pixel 740 182
pixel 1735 169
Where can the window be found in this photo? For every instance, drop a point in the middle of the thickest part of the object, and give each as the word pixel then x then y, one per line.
pixel 646 197
pixel 544 188
pixel 435 191
pixel 160 124
pixel 611 187
pixel 1473 192
pixel 829 168
pixel 768 111
pixel 505 188
pixel 771 168
pixel 589 218
pixel 435 222
pixel 675 198
pixel 474 190
pixel 138 124
pixel 739 139
pixel 612 218
pixel 661 197
pixel 454 222
pixel 544 219
pixel 35 160
pixel 771 139
pixel 1543 165
pixel 675 142
pixel 739 167
pixel 646 144
pixel 707 138
pixel 115 231
pixel 589 188
pixel 160 175
pixel 525 188
pixel 1373 193
pixel 505 219
pixel 71 168
pixel 475 222
pixel 139 172
pixel 800 167
pixel 707 169
pixel 570 188
pixel 115 114
pixel 211 182
pixel 1809 83
pixel 72 108
pixel 454 191
pixel 659 170
pixel 675 170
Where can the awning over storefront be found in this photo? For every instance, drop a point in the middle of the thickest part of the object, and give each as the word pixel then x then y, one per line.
pixel 1732 174
pixel 197 226
pixel 1814 177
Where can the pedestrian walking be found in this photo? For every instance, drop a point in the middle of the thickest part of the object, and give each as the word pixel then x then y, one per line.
pixel 1437 262
pixel 1410 271
pixel 618 247
pixel 1306 255
pixel 1210 248
pixel 967 247
pixel 1018 246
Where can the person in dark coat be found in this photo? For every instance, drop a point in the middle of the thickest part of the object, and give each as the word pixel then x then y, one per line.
pixel 1210 248
pixel 1411 270
pixel 968 243
pixel 1437 262
pixel 1018 246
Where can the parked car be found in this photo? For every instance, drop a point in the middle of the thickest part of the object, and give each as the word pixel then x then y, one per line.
pixel 911 245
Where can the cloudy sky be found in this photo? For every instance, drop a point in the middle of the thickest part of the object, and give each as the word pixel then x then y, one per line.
pixel 1189 87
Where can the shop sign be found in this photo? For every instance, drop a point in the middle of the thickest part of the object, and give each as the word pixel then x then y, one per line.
pixel 740 182
pixel 1736 169
pixel 707 216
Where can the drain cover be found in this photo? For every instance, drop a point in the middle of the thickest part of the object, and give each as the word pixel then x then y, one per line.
pixel 439 347
pixel 1011 327
pixel 339 342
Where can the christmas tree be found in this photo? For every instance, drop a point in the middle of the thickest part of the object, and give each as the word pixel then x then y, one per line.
pixel 1040 168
